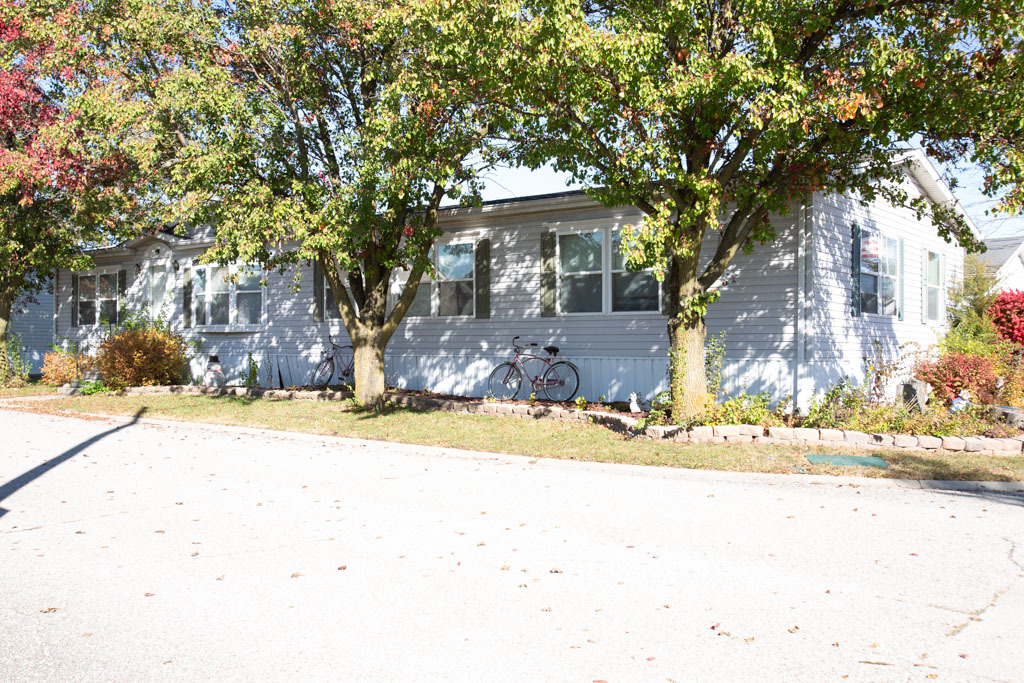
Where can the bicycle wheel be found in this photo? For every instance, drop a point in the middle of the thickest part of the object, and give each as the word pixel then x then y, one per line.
pixel 504 382
pixel 561 382
pixel 322 373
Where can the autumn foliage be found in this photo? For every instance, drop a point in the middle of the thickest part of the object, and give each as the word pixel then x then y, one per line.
pixel 1007 313
pixel 60 367
pixel 142 356
pixel 954 372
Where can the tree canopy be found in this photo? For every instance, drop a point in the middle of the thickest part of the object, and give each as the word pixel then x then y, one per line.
pixel 712 116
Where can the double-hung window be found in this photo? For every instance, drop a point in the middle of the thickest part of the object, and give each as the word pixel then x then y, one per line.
pixel 934 282
pixel 592 275
pixel 219 302
pixel 97 300
pixel 331 306
pixel 452 293
pixel 879 273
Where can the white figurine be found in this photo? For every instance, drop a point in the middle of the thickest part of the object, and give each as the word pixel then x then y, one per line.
pixel 634 403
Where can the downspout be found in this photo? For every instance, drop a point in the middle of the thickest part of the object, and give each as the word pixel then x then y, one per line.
pixel 56 305
pixel 800 315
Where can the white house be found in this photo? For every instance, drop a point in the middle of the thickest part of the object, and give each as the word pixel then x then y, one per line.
pixel 33 323
pixel 798 314
pixel 1005 258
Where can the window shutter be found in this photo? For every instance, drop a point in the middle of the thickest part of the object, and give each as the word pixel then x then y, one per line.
pixel 855 308
pixel 186 295
pixel 547 274
pixel 318 291
pixel 899 271
pixel 74 300
pixel 483 279
pixel 942 289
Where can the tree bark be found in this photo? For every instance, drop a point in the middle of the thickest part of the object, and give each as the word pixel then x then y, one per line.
pixel 6 304
pixel 686 334
pixel 368 368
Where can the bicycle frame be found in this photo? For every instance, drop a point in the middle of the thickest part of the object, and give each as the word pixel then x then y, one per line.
pixel 520 360
pixel 335 355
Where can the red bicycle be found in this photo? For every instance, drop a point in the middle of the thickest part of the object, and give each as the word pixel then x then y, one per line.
pixel 338 359
pixel 559 381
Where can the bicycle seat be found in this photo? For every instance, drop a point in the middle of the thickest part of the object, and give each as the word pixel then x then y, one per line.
pixel 552 350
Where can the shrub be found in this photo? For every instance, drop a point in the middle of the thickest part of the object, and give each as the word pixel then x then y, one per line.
pixel 142 353
pixel 60 367
pixel 1007 313
pixel 954 372
pixel 834 409
pixel 743 409
pixel 14 364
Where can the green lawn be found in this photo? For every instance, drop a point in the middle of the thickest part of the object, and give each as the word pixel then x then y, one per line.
pixel 535 438
pixel 31 389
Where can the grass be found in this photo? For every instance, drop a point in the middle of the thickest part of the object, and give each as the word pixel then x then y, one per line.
pixel 535 438
pixel 30 389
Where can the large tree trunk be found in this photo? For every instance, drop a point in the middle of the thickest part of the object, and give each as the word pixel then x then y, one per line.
pixel 686 334
pixel 6 304
pixel 368 368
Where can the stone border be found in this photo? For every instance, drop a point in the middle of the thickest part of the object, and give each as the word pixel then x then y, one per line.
pixel 755 434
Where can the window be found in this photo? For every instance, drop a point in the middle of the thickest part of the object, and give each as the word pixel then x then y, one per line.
pixel 452 293
pixel 330 306
pixel 216 301
pixel 933 286
pixel 879 268
pixel 97 301
pixel 592 276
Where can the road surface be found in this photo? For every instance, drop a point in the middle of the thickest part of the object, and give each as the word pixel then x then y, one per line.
pixel 159 552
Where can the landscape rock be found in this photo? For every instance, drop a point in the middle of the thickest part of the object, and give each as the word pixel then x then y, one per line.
pixel 781 433
pixel 882 439
pixel 904 441
pixel 953 443
pixel 929 442
pixel 831 434
pixel 850 436
pixel 726 430
pixel 806 434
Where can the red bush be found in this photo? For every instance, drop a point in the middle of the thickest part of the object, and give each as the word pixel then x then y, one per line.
pixel 954 372
pixel 1007 313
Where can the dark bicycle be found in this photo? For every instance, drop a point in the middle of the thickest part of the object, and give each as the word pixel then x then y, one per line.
pixel 337 360
pixel 559 381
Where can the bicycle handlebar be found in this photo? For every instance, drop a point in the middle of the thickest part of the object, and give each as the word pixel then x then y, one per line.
pixel 521 346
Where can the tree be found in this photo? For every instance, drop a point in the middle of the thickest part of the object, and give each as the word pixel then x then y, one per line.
pixel 323 131
pixel 712 116
pixel 59 186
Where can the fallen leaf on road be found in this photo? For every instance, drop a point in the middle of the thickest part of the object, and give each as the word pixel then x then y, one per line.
pixel 86 635
pixel 296 575
pixel 342 567
pixel 748 640
pixel 149 595
pixel 79 532
pixel 555 571
pixel 794 629
pixel 715 626
pixel 545 609
pixel 650 659
pixel 220 578
pixel 159 531
pixel 504 567
pixel 195 553
pixel 48 610
pixel 963 656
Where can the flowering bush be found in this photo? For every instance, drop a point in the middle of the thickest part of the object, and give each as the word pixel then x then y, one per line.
pixel 1007 313
pixel 954 372
pixel 60 367
pixel 141 355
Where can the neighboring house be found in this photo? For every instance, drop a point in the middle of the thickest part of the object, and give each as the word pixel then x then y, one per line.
pixel 32 321
pixel 799 314
pixel 1005 258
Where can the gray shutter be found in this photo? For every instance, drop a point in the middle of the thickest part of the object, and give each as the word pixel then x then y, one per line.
pixel 74 300
pixel 547 274
pixel 186 297
pixel 318 291
pixel 483 279
pixel 924 286
pixel 855 308
pixel 122 291
pixel 899 293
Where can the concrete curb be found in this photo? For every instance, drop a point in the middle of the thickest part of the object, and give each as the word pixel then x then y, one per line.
pixel 1010 488
pixel 804 436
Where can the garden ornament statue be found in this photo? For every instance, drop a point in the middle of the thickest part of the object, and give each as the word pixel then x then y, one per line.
pixel 962 400
pixel 634 403
pixel 214 375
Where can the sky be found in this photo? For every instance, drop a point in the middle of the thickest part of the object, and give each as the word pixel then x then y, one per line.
pixel 507 183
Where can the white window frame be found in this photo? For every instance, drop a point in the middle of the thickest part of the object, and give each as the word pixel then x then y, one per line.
pixel 118 299
pixel 426 280
pixel 940 287
pixel 232 325
pixel 608 229
pixel 879 275
pixel 331 314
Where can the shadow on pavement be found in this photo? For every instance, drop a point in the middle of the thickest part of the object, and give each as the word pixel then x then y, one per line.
pixel 20 482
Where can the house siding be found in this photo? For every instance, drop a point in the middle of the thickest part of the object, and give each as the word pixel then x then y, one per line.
pixel 837 342
pixel 616 353
pixel 33 323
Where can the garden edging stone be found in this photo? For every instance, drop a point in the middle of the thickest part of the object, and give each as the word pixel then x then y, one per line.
pixel 629 425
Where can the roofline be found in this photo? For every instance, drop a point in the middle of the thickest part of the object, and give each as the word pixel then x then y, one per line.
pixel 922 170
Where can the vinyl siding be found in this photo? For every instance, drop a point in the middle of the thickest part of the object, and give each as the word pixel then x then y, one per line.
pixel 33 323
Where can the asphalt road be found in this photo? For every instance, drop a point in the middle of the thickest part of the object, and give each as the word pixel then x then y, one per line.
pixel 157 552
